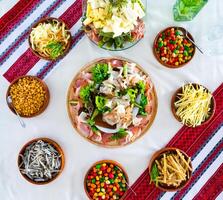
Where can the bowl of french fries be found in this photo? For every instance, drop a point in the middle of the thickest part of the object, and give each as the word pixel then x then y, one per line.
pixel 170 169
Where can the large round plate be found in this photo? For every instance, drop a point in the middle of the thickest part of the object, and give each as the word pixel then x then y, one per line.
pixel 102 138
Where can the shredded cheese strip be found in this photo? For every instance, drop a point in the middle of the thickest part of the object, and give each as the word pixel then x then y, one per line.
pixel 193 106
pixel 173 168
pixel 47 32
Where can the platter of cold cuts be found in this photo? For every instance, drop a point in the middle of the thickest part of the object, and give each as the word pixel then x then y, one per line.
pixel 112 102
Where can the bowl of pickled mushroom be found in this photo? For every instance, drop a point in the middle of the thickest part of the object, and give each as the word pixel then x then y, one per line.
pixel 170 169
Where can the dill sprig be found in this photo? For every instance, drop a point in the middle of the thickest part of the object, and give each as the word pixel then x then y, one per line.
pixel 118 3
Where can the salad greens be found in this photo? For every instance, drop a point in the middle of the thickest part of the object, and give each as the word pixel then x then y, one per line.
pixel 101 103
pixel 141 86
pixel 132 94
pixel 118 3
pixel 85 93
pixel 120 134
pixel 56 49
pixel 100 72
pixel 143 103
pixel 118 42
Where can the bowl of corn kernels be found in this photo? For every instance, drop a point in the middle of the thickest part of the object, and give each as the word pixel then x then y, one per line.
pixel 30 96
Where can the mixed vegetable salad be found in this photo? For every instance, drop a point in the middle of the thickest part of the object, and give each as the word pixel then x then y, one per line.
pixel 113 23
pixel 112 102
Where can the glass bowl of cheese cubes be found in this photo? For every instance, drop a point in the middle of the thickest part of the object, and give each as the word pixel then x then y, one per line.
pixel 114 24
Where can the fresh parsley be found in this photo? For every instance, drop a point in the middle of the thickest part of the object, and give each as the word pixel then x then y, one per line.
pixel 100 102
pixel 141 86
pixel 132 93
pixel 100 72
pixel 85 93
pixel 143 103
pixel 118 3
pixel 56 49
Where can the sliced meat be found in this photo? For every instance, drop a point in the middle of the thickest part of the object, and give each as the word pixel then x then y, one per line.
pixel 85 129
pixel 139 30
pixel 116 63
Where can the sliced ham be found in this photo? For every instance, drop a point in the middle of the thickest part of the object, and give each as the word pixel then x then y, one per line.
pixel 138 31
pixel 92 34
pixel 85 129
pixel 116 63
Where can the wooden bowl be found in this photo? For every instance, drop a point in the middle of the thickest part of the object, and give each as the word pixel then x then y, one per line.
pixel 105 161
pixel 157 56
pixel 72 116
pixel 46 102
pixel 156 156
pixel 49 19
pixel 56 146
pixel 175 98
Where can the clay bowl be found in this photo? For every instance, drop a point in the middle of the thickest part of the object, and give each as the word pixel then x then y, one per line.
pixel 105 161
pixel 157 155
pixel 46 102
pixel 49 19
pixel 56 146
pixel 175 98
pixel 158 57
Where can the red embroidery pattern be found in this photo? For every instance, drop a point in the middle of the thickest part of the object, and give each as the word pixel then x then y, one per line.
pixel 208 192
pixel 15 15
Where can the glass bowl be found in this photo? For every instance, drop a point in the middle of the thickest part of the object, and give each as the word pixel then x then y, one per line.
pixel 127 44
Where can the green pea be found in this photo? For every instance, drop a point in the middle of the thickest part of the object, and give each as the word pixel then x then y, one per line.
pixel 185 53
pixel 186 48
pixel 93 180
pixel 98 166
pixel 112 181
pixel 160 44
pixel 102 179
pixel 177 33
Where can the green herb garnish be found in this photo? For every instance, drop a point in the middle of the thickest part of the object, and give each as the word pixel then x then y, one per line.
pixel 56 49
pixel 100 72
pixel 154 174
pixel 118 3
pixel 132 94
pixel 117 42
pixel 91 123
pixel 120 134
pixel 143 103
pixel 101 103
pixel 141 86
pixel 85 93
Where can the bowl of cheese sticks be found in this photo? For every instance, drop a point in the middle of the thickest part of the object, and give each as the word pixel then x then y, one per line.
pixel 170 169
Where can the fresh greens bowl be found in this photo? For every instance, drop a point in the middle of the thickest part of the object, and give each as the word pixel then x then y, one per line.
pixel 114 25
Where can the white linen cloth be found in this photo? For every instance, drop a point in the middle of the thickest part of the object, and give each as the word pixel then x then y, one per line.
pixel 54 122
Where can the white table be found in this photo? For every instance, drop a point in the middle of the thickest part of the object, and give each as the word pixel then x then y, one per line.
pixel 54 122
